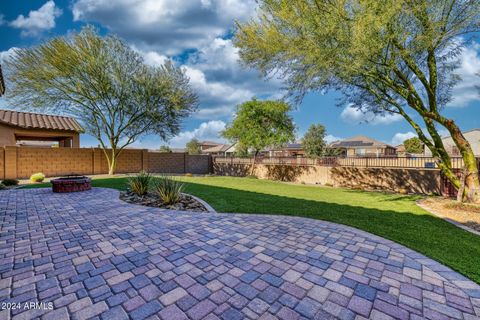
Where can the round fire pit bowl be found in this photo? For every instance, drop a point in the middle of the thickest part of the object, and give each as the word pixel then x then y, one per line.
pixel 71 184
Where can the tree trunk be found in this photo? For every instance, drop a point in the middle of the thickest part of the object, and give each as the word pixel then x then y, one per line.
pixel 112 164
pixel 472 183
pixel 252 170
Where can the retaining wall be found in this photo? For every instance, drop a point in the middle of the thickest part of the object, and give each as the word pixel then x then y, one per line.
pixel 403 180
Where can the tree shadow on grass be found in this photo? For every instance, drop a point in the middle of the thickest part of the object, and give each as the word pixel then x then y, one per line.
pixel 424 233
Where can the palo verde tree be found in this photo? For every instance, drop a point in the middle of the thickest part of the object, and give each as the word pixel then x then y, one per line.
pixel 391 56
pixel 260 124
pixel 313 142
pixel 103 83
pixel 413 145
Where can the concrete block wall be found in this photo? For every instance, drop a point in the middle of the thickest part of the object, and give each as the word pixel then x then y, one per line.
pixel 22 162
pixel 404 180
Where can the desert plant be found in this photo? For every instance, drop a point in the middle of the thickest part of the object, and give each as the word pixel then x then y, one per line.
pixel 168 189
pixel 37 177
pixel 10 182
pixel 140 183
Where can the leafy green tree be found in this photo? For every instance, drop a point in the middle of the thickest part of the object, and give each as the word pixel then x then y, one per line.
pixel 385 56
pixel 194 147
pixel 165 149
pixel 413 145
pixel 313 142
pixel 103 83
pixel 260 124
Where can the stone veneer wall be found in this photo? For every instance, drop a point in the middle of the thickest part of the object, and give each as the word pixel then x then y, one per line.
pixel 422 181
pixel 22 162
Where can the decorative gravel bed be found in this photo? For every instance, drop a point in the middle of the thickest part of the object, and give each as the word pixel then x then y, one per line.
pixel 186 203
pixel 465 214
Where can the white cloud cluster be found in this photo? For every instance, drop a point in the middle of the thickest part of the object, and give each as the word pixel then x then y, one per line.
pixel 39 20
pixel 353 114
pixel 465 91
pixel 4 55
pixel 206 131
pixel 331 138
pixel 400 137
pixel 167 26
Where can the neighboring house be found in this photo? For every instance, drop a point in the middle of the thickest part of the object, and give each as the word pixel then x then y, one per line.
pixel 218 150
pixel 208 144
pixel 2 83
pixel 473 136
pixel 35 129
pixel 362 146
pixel 401 151
pixel 289 150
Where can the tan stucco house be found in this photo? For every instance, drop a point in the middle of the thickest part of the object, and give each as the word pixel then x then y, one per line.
pixel 472 136
pixel 362 146
pixel 36 129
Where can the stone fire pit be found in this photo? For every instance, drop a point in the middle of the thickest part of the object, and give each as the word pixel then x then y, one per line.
pixel 71 184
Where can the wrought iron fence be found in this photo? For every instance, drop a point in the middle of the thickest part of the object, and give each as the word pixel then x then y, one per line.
pixel 363 162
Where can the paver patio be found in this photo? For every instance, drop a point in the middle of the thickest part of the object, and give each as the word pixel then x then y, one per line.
pixel 95 256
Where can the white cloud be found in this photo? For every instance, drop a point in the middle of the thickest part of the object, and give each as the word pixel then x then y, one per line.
pixel 465 91
pixel 206 131
pixel 38 20
pixel 331 138
pixel 400 137
pixel 4 55
pixel 169 26
pixel 352 114
pixel 152 58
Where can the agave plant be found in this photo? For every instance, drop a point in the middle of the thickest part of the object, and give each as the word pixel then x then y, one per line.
pixel 168 189
pixel 140 183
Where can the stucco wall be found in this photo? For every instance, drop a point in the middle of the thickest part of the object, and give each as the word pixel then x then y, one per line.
pixel 473 138
pixel 423 181
pixel 18 162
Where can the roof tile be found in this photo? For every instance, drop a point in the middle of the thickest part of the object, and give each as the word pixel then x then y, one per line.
pixel 29 120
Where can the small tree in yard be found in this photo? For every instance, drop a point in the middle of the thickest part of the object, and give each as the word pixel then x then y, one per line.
pixel 105 84
pixel 194 147
pixel 413 145
pixel 392 56
pixel 165 149
pixel 260 124
pixel 313 141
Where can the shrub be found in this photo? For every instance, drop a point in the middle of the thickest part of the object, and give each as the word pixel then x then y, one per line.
pixel 2 186
pixel 140 183
pixel 168 189
pixel 252 177
pixel 37 177
pixel 10 182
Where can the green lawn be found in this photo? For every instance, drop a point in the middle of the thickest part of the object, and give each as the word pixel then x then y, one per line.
pixel 392 216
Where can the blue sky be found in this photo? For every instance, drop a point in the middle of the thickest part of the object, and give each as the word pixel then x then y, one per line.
pixel 196 35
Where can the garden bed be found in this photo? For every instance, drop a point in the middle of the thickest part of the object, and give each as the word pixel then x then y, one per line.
pixel 186 203
pixel 465 214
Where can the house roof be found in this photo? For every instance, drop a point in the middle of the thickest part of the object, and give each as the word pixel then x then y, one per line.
pixel 360 142
pixel 29 120
pixel 210 143
pixel 218 148
pixel 2 83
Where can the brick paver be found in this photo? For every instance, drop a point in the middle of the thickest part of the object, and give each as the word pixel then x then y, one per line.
pixel 91 255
